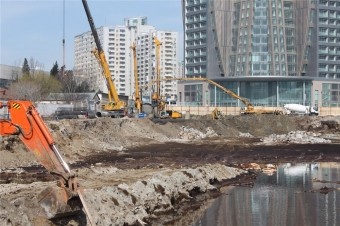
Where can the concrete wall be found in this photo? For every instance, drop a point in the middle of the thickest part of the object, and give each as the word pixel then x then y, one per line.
pixel 323 111
pixel 48 109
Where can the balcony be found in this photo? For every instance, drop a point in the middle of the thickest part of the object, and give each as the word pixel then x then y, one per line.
pixel 323 51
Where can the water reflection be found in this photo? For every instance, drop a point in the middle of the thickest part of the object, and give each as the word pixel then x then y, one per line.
pixel 288 197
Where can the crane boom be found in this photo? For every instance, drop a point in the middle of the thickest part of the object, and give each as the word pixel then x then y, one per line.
pixel 100 55
pixel 227 91
pixel 249 106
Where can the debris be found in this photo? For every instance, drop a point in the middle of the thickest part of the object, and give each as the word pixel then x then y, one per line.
pixel 298 137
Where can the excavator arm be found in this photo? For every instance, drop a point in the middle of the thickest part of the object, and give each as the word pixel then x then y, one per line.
pixel 25 122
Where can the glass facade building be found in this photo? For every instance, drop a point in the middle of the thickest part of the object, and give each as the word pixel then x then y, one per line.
pixel 328 34
pixel 268 51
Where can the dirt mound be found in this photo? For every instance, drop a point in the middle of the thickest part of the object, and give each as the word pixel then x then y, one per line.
pixel 136 203
pixel 80 138
pixel 114 162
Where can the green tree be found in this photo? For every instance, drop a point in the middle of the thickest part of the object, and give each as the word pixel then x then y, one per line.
pixel 25 68
pixel 55 70
pixel 48 84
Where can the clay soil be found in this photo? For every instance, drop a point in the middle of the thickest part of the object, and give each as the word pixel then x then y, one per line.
pixel 131 150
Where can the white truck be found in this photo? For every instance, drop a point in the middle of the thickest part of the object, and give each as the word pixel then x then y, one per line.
pixel 300 109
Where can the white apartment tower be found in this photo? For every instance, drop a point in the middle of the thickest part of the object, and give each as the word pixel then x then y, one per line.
pixel 116 42
pixel 168 62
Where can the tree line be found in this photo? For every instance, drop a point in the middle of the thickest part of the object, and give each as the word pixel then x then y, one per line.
pixel 36 84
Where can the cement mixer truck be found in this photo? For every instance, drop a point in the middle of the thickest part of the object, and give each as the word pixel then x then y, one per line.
pixel 300 109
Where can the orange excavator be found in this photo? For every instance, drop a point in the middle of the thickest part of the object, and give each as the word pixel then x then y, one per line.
pixel 24 121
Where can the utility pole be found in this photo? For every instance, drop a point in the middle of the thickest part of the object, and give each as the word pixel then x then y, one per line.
pixel 63 67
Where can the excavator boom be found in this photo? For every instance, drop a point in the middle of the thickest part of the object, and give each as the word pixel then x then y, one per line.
pixel 28 125
pixel 25 122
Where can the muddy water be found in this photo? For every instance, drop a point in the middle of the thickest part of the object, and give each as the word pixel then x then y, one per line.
pixel 296 194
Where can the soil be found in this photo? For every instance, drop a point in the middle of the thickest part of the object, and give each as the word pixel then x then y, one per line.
pixel 117 156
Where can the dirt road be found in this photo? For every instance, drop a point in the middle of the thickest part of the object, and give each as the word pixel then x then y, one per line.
pixel 178 163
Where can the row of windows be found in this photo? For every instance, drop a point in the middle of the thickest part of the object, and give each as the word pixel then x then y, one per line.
pixel 196 60
pixel 196 69
pixel 329 3
pixel 329 13
pixel 329 57
pixel 196 18
pixel 197 25
pixel 115 30
pixel 196 8
pixel 329 21
pixel 196 52
pixel 329 67
pixel 196 42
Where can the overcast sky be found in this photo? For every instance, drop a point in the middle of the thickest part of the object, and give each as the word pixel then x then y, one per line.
pixel 34 28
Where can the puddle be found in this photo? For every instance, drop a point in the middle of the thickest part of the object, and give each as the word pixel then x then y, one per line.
pixel 296 194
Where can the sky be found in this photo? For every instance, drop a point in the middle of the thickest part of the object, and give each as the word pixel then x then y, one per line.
pixel 34 28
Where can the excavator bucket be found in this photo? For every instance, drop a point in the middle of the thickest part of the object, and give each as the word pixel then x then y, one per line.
pixel 57 202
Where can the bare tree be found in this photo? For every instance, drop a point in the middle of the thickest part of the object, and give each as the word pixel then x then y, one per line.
pixel 69 84
pixel 34 88
pixel 35 66
pixel 25 90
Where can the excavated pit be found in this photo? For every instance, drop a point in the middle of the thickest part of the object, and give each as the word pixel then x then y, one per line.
pixel 114 157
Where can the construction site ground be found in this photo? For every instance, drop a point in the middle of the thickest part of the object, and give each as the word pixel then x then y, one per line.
pixel 158 171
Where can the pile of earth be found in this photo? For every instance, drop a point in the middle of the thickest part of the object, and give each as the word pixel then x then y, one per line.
pixel 80 138
pixel 83 141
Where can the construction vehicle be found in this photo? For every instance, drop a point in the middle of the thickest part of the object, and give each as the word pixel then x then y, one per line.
pixel 138 101
pixel 300 109
pixel 249 108
pixel 157 102
pixel 115 107
pixel 65 198
pixel 170 114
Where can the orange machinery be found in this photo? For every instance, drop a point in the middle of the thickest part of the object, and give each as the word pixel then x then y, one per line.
pixel 25 122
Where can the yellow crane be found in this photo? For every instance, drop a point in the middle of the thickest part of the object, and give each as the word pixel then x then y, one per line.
pixel 157 101
pixel 138 101
pixel 249 106
pixel 115 103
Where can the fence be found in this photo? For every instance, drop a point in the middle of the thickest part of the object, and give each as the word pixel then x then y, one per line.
pixel 206 110
pixel 323 111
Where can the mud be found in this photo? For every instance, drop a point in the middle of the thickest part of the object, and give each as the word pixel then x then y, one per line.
pixel 110 154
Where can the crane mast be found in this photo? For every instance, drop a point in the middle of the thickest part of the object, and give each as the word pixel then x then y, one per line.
pixel 157 102
pixel 138 101
pixel 117 104
pixel 158 69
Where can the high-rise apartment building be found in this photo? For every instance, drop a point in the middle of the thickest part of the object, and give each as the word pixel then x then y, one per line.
pixel 270 51
pixel 116 42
